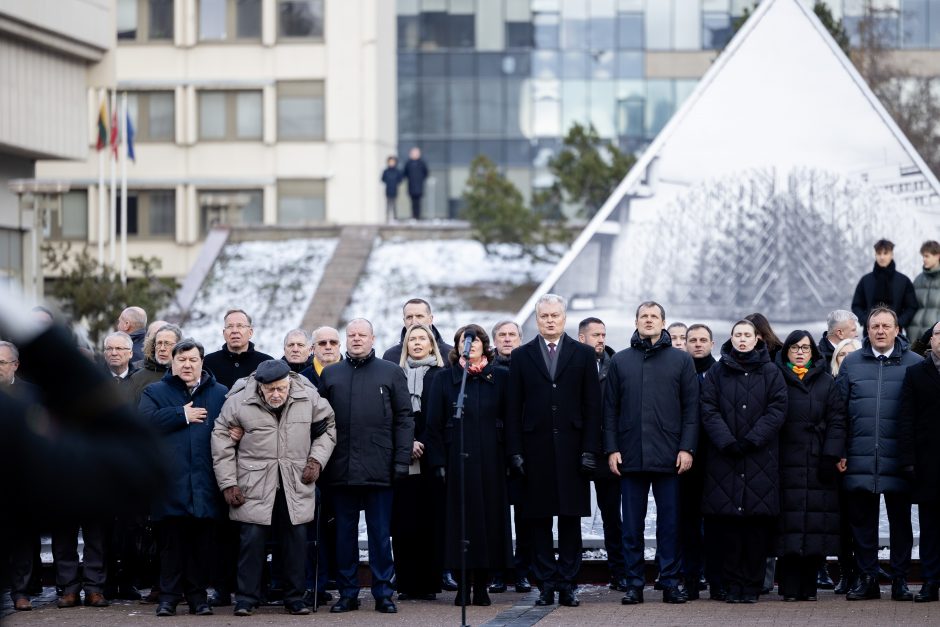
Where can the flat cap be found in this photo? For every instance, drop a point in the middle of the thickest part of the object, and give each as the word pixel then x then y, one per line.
pixel 271 370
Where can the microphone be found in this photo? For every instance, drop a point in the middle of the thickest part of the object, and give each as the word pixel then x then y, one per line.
pixel 468 336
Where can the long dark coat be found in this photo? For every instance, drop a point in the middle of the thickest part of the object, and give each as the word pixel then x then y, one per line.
pixel 745 402
pixel 903 297
pixel 487 501
pixel 229 367
pixel 550 423
pixel 191 488
pixel 920 433
pixel 812 436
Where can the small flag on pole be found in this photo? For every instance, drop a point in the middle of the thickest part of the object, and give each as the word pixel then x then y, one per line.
pixel 114 133
pixel 130 138
pixel 102 127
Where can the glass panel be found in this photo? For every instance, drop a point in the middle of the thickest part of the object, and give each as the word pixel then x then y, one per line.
pixel 132 205
pixel 248 18
pixel 407 64
pixel 253 212
pixel 212 20
pixel 212 115
pixel 546 108
pixel 517 64
pixel 688 25
pixel 630 5
pixel 514 113
pixel 462 151
pixel 492 149
pixel 248 115
pixel 630 64
pixel 302 18
pixel 409 107
pixel 716 30
pixel 602 64
pixel 574 104
pixel 408 32
pixel 517 151
pixel 433 30
pixel 519 35
pixel 659 25
pixel 546 30
pixel 603 108
pixel 161 121
pixel 460 32
pixel 75 214
pixel 602 24
pixel 299 117
pixel 432 64
pixel 490 107
pixel 630 31
pixel 161 20
pixel 162 213
pixel 434 107
pixel 574 65
pixel 574 31
pixel 684 89
pixel 631 109
pixel 490 64
pixel 461 64
pixel 934 29
pixel 660 104
pixel 717 5
pixel 546 64
pixel 300 210
pixel 462 114
pixel 127 19
pixel 545 5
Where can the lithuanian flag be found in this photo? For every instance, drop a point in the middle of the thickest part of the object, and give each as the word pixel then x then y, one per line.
pixel 102 127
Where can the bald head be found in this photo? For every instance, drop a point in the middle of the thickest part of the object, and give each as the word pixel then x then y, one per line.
pixel 132 319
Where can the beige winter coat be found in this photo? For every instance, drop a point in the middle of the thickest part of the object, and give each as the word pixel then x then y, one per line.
pixel 269 445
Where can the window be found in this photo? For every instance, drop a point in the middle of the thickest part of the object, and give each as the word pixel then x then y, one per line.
pixel 150 214
pixel 301 201
pixel 546 30
pixel 73 221
pixel 153 114
pixel 630 31
pixel 519 35
pixel 229 20
pixel 445 30
pixel 145 20
pixel 230 207
pixel 300 110
pixel 11 256
pixel 716 30
pixel 300 19
pixel 230 115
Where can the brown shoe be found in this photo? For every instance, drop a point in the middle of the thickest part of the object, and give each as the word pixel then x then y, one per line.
pixel 68 600
pixel 152 597
pixel 22 604
pixel 95 599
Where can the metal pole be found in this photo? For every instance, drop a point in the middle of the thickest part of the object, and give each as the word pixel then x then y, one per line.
pixel 113 222
pixel 462 585
pixel 123 153
pixel 101 208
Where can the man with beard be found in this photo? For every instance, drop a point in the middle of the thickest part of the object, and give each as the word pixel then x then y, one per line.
pixel 884 286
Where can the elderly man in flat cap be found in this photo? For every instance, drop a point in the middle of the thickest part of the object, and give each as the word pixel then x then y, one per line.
pixel 268 476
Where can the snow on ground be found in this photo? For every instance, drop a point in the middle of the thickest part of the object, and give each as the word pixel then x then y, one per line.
pixel 272 280
pixel 461 281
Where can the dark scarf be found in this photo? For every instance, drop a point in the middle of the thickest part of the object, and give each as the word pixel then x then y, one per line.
pixel 702 364
pixel 884 278
pixel 356 363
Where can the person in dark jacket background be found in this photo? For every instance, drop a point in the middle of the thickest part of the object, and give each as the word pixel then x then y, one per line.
pixel 840 325
pixel 374 443
pixel 744 402
pixel 237 358
pixel 919 443
pixel 489 540
pixel 158 356
pixel 884 286
pixel 183 407
pixel 651 417
pixel 416 311
pixel 416 171
pixel 870 381
pixel 812 444
pixel 391 178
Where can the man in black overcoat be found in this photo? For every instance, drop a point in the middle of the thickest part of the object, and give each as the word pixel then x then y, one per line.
pixel 553 426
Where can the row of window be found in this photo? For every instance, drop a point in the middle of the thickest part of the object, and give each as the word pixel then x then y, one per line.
pixel 219 20
pixel 233 115
pixel 151 214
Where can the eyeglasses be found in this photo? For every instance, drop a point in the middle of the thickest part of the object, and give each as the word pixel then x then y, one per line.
pixel 801 348
pixel 7 363
pixel 237 327
pixel 164 344
pixel 328 342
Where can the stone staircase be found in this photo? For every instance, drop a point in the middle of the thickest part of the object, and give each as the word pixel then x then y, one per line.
pixel 340 276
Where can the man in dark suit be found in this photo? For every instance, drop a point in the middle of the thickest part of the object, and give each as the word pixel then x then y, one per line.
pixel 553 433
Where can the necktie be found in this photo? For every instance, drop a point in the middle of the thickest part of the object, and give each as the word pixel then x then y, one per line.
pixel 882 357
pixel 551 351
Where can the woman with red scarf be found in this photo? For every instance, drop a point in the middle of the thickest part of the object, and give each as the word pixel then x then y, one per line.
pixel 489 544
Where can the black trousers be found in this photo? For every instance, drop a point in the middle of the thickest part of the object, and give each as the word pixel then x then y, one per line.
pixel 65 553
pixel 416 207
pixel 607 492
pixel 224 558
pixel 562 573
pixel 847 564
pixel 691 529
pixel 796 575
pixel 186 545
pixel 864 512
pixel 522 560
pixel 744 544
pixel 22 564
pixel 291 547
pixel 125 561
pixel 712 552
pixel 929 516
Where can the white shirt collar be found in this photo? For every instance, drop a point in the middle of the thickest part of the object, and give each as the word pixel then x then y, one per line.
pixel 878 353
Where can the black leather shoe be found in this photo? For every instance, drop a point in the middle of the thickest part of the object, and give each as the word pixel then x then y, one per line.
pixel 297 608
pixel 618 584
pixel 843 586
pixel 866 588
pixel 447 582
pixel 498 586
pixel 747 597
pixel 202 609
pixel 823 580
pixel 220 599
pixel 633 596
pixel 900 591
pixel 568 598
pixel 480 597
pixel 386 606
pixel 345 604
pixel 673 594
pixel 717 593
pixel 702 584
pixel 692 592
pixel 930 591
pixel 166 609
pixel 546 597
pixel 657 584
pixel 523 586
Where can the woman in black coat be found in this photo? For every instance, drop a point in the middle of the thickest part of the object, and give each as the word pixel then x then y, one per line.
pixel 489 543
pixel 744 402
pixel 417 511
pixel 812 443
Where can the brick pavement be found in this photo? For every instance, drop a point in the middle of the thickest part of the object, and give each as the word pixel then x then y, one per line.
pixel 599 606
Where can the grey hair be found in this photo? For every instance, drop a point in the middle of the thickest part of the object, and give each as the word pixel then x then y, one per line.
pixel 837 317
pixel 178 332
pixel 297 332
pixel 13 349
pixel 551 299
pixel 318 330
pixel 119 334
pixel 499 325
pixel 135 316
pixel 354 320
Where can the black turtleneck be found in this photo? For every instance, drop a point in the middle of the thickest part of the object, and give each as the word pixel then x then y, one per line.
pixel 884 277
pixel 702 364
pixel 361 361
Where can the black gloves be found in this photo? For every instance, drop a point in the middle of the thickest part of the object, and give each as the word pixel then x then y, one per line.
pixel 517 466
pixel 401 471
pixel 588 465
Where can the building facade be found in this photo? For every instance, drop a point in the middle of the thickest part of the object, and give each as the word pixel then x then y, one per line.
pixel 266 112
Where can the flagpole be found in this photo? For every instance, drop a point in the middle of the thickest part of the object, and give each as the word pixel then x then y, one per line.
pixel 101 210
pixel 113 227
pixel 123 153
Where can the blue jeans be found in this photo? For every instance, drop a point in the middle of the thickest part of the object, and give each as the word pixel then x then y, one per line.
pixel 377 503
pixel 634 493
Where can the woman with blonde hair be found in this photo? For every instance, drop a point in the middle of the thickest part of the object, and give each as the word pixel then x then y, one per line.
pixel 842 349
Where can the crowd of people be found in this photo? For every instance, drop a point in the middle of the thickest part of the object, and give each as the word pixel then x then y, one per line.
pixel 774 449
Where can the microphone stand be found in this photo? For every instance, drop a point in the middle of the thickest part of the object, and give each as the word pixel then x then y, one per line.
pixel 458 417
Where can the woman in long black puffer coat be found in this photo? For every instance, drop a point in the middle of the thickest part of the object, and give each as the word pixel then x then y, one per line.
pixel 812 443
